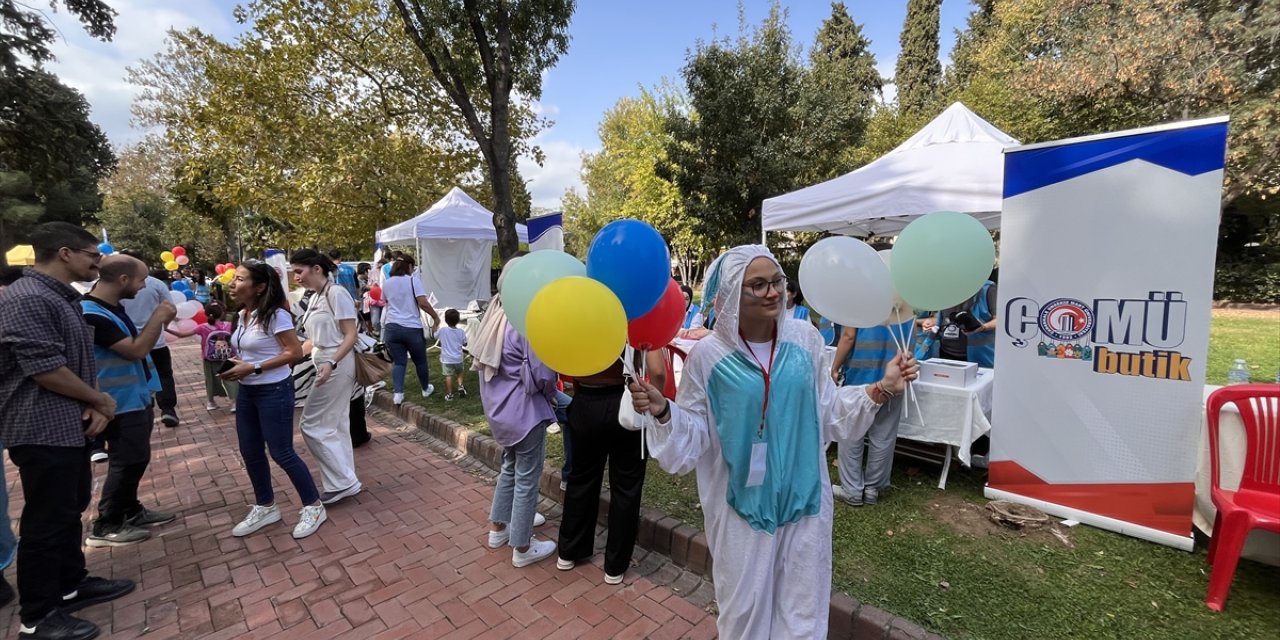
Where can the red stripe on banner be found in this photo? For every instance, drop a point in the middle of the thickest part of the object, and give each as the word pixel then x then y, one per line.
pixel 1165 506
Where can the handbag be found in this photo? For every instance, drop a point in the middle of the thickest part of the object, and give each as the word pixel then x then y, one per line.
pixel 372 366
pixel 627 416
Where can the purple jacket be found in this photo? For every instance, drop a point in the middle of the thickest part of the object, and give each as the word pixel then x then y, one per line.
pixel 520 395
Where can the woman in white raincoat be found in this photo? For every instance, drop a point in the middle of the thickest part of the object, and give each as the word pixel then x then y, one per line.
pixel 755 408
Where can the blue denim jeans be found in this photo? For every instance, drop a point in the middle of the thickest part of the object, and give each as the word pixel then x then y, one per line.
pixel 404 343
pixel 8 543
pixel 264 420
pixel 515 499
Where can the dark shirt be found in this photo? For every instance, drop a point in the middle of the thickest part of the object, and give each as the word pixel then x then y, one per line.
pixel 105 331
pixel 41 329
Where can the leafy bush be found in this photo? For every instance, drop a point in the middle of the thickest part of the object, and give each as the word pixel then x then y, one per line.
pixel 1248 282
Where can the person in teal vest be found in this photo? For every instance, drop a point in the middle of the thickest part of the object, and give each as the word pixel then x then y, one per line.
pixel 861 358
pixel 126 373
pixel 970 344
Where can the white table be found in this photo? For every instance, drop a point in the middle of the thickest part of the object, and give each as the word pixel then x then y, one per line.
pixel 1263 546
pixel 954 416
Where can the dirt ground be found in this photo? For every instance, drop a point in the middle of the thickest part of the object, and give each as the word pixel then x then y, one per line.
pixel 975 521
pixel 1272 313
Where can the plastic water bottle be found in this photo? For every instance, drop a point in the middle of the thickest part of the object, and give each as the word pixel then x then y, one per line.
pixel 1239 373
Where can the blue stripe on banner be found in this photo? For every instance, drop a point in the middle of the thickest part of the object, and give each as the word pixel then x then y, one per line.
pixel 1193 151
pixel 542 224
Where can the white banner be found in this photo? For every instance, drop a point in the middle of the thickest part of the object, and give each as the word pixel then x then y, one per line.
pixel 1106 286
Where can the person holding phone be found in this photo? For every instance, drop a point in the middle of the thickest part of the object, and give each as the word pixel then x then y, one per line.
pixel 267 344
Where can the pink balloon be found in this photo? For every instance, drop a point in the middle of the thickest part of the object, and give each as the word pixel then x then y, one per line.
pixel 169 338
pixel 185 325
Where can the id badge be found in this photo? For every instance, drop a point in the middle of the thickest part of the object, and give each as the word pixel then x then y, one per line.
pixel 759 453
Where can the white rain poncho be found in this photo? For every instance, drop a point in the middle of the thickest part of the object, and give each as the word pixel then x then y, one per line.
pixel 771 541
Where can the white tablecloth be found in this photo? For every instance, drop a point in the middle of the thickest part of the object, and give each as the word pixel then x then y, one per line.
pixel 1263 546
pixel 949 415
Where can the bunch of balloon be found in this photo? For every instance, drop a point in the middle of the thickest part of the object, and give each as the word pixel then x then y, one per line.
pixel 226 272
pixel 175 258
pixel 184 289
pixel 576 317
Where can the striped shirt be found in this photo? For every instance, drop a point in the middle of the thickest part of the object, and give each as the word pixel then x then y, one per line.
pixel 42 329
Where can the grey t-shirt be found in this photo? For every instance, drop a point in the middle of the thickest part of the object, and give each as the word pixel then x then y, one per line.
pixel 144 304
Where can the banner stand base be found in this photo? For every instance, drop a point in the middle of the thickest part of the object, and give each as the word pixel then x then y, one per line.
pixel 1184 543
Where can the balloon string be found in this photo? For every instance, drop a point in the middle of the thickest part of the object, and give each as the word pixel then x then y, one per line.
pixel 909 390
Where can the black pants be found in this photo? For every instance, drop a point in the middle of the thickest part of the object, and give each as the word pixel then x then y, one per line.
pixel 56 485
pixel 597 439
pixel 167 398
pixel 129 437
pixel 359 430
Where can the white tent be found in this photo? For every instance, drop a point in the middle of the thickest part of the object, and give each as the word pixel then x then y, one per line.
pixel 955 163
pixel 455 239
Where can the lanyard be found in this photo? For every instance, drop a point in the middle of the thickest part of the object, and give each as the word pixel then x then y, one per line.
pixel 765 371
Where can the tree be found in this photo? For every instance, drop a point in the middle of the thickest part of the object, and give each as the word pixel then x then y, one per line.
pixel 25 32
pixel 479 52
pixel 46 137
pixel 840 91
pixel 918 70
pixel 736 144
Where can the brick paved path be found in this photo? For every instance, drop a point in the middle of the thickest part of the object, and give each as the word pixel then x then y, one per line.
pixel 404 559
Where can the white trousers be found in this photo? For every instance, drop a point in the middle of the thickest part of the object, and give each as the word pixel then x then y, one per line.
pixel 326 426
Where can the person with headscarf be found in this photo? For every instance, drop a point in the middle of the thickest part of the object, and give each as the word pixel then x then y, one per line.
pixel 518 394
pixel 755 408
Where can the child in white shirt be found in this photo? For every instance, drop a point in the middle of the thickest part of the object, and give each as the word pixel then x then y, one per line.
pixel 452 340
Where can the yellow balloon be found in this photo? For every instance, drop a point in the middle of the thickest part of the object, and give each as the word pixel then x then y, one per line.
pixel 577 326
pixel 167 256
pixel 171 265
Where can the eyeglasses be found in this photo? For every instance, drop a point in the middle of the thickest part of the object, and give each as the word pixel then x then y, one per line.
pixel 92 254
pixel 761 289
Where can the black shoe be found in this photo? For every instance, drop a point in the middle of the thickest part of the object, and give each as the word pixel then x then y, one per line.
pixel 170 420
pixel 147 518
pixel 60 626
pixel 93 590
pixel 360 442
pixel 6 592
pixel 116 536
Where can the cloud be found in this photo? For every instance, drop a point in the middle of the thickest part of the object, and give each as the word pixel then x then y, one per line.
pixel 559 171
pixel 97 69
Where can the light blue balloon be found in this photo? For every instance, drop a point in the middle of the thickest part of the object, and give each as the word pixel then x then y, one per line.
pixel 941 259
pixel 180 285
pixel 528 276
pixel 106 249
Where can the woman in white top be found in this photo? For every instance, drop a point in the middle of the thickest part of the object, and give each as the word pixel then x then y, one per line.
pixel 329 327
pixel 267 345
pixel 403 332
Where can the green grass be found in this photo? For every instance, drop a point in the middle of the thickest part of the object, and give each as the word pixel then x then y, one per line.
pixel 999 584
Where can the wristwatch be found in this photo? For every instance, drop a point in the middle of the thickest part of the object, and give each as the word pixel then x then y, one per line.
pixel 257 368
pixel 333 364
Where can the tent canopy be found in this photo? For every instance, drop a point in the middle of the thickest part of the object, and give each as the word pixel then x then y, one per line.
pixel 20 255
pixel 455 239
pixel 456 216
pixel 955 163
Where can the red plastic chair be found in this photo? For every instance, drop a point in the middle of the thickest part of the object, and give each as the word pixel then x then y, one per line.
pixel 1256 504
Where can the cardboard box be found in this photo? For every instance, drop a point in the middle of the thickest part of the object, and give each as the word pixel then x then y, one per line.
pixel 952 373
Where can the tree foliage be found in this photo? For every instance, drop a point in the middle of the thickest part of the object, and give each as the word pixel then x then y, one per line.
pixel 24 31
pixel 918 71
pixel 479 52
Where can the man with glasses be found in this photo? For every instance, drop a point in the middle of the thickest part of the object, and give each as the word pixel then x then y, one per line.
pixel 48 407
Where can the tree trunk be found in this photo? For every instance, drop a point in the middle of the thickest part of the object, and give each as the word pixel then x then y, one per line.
pixel 504 215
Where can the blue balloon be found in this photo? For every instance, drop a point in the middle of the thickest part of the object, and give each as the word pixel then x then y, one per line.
pixel 106 249
pixel 191 295
pixel 631 258
pixel 181 285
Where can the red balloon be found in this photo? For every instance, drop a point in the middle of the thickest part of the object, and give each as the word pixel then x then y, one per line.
pixel 219 269
pixel 178 251
pixel 375 292
pixel 661 324
pixel 200 317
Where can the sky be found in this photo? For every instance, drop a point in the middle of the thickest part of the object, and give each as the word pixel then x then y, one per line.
pixel 617 47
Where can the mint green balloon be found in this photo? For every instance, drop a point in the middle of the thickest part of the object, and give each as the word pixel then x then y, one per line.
pixel 941 259
pixel 528 276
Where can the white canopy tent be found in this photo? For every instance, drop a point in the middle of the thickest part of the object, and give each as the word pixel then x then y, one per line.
pixel 455 239
pixel 955 163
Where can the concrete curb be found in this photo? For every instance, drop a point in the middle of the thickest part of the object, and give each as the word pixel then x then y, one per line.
pixel 684 544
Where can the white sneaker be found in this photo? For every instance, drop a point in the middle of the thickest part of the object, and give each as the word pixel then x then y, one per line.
pixel 210 406
pixel 499 538
pixel 259 517
pixel 608 579
pixel 309 519
pixel 553 428
pixel 330 497
pixel 538 549
pixel 397 399
pixel 565 565
pixel 426 393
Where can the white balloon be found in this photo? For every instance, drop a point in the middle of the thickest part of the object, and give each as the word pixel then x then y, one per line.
pixel 177 297
pixel 187 309
pixel 844 280
pixel 900 307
